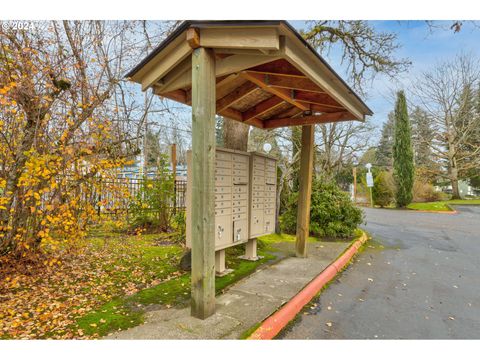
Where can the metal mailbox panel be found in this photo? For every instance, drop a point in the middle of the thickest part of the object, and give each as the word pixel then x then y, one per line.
pixel 240 179
pixel 240 230
pixel 240 165
pixel 223 180
pixel 240 172
pixel 220 212
pixel 257 206
pixel 223 171
pixel 240 158
pixel 220 155
pixel 240 189
pixel 223 164
pixel 258 180
pixel 223 230
pixel 223 189
pixel 270 180
pixel 236 203
pixel 239 196
pixel 223 204
pixel 239 216
pixel 221 196
pixel 239 210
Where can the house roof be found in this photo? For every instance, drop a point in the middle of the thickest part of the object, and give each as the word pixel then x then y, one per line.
pixel 267 75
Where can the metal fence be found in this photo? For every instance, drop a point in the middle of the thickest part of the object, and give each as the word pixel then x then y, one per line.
pixel 115 196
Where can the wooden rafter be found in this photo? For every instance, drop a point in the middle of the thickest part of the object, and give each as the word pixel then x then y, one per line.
pixel 262 108
pixel 226 66
pixel 284 94
pixel 289 82
pixel 308 120
pixel 236 95
pixel 319 99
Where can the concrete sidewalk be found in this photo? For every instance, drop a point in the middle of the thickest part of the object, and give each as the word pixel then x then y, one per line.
pixel 245 303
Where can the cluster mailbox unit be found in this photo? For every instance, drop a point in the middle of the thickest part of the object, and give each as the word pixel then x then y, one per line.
pixel 245 201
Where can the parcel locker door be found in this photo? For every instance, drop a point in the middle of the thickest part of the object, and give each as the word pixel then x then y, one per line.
pixel 269 224
pixel 240 230
pixel 256 224
pixel 223 230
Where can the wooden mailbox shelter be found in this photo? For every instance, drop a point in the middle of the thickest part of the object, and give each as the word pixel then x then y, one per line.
pixel 261 73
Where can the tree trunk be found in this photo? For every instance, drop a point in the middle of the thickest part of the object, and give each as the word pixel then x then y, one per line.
pixel 454 182
pixel 235 134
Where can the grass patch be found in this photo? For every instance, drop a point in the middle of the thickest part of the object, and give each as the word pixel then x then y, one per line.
pixel 441 205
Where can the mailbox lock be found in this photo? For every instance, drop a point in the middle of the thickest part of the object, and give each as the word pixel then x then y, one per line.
pixel 238 234
pixel 220 231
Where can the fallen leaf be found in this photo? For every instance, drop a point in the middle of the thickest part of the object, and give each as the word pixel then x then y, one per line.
pixel 370 279
pixel 329 324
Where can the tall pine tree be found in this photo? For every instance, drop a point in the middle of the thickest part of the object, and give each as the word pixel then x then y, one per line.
pixel 383 155
pixel 403 168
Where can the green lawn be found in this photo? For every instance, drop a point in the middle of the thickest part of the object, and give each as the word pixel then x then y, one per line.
pixel 441 205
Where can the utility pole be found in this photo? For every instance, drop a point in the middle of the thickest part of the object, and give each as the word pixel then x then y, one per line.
pixel 174 174
pixel 145 165
pixel 354 184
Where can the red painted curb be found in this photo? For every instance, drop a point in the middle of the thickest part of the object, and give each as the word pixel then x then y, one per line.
pixel 277 321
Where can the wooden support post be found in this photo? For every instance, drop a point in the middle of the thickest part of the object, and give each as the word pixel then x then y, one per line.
pixel 203 162
pixel 305 190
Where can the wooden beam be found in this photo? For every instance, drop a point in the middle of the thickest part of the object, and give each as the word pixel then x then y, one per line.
pixel 174 74
pixel 318 72
pixel 308 120
pixel 262 107
pixel 261 38
pixel 229 65
pixel 203 163
pixel 289 82
pixel 193 38
pixel 305 189
pixel 281 93
pixel 236 95
pixel 165 64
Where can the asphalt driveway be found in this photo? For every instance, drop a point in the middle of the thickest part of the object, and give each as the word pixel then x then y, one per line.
pixel 419 278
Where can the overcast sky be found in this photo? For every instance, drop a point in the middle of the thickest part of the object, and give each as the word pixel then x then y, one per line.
pixel 423 46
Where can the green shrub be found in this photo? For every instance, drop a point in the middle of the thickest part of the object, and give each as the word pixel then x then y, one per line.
pixel 332 213
pixel 151 208
pixel 425 192
pixel 179 224
pixel 383 191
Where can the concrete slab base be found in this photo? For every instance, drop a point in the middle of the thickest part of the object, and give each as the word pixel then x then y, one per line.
pixel 244 304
